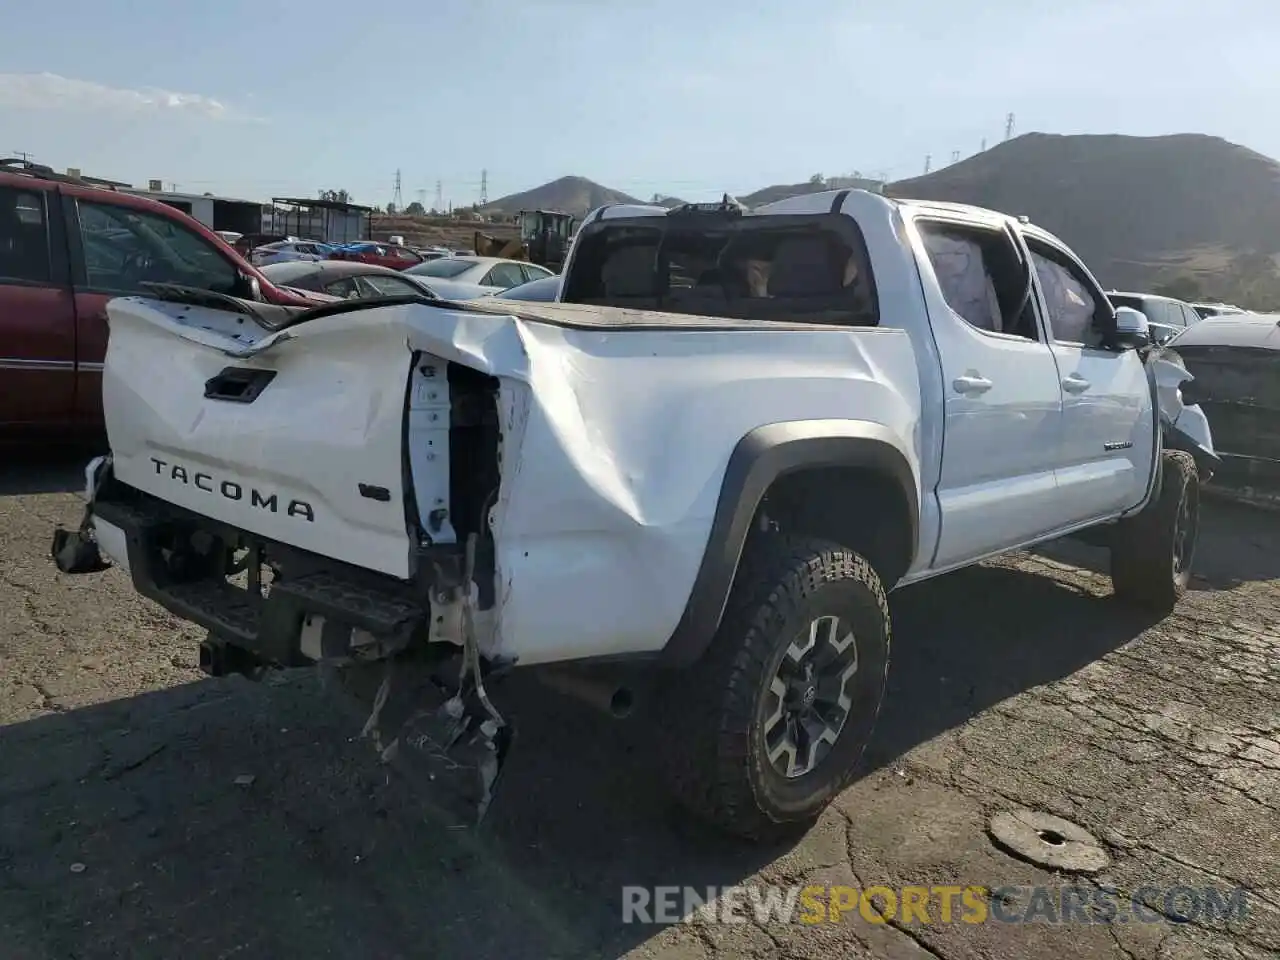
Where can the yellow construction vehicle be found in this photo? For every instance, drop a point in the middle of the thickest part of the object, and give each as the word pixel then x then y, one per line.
pixel 544 239
pixel 510 249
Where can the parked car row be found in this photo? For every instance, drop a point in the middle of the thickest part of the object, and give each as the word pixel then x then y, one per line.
pixel 1232 355
pixel 465 278
pixel 1167 317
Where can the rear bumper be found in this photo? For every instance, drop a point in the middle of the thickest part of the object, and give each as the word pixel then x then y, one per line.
pixel 288 607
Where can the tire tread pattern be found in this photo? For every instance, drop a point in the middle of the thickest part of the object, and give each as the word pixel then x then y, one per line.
pixel 710 722
pixel 1142 550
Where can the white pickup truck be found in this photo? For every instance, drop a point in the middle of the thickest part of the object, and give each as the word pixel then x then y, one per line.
pixel 695 477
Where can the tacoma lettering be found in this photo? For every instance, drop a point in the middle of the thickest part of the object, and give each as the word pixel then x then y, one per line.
pixel 232 490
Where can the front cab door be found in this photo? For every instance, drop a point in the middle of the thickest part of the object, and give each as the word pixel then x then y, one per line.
pixel 37 313
pixel 1108 410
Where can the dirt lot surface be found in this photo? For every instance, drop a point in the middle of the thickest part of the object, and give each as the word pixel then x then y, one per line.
pixel 147 812
pixel 437 232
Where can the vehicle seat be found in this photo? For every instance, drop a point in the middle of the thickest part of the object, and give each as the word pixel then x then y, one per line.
pixel 629 272
pixel 805 267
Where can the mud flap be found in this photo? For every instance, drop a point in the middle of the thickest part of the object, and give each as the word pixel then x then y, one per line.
pixel 442 739
pixel 76 551
pixel 453 743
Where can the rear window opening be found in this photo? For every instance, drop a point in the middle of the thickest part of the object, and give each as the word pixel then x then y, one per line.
pixel 803 268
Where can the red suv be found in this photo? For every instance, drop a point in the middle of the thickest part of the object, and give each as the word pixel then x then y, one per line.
pixel 66 248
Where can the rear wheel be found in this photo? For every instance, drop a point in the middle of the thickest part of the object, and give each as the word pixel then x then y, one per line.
pixel 1152 552
pixel 768 727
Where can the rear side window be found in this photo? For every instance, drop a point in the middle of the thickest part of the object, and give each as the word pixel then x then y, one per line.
pixel 981 276
pixel 24 237
pixel 799 268
pixel 124 248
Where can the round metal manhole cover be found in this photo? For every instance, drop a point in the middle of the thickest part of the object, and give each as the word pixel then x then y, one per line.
pixel 1047 841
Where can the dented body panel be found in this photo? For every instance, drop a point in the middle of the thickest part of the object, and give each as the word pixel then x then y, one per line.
pixel 614 443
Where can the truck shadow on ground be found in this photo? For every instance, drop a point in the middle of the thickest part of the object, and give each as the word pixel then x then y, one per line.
pixel 1238 544
pixel 229 818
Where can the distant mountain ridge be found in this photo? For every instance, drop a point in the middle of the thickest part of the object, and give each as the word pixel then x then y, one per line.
pixel 1141 211
pixel 572 194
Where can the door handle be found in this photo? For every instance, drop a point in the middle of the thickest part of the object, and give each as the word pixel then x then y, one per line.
pixel 1075 384
pixel 971 383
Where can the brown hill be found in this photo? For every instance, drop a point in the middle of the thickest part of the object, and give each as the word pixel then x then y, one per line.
pixel 1141 211
pixel 575 195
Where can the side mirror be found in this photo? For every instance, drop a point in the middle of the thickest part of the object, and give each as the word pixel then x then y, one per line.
pixel 250 288
pixel 1133 330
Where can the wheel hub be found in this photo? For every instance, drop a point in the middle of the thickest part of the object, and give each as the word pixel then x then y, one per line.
pixel 807 702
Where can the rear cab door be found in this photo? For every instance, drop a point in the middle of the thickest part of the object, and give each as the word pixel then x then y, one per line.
pixel 1109 430
pixel 1003 401
pixel 37 312
pixel 115 248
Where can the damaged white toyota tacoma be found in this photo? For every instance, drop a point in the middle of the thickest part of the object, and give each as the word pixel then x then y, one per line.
pixel 691 482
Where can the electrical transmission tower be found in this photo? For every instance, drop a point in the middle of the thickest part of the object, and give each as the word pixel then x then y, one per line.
pixel 983 148
pixel 955 156
pixel 1008 126
pixel 484 187
pixel 397 200
pixel 928 162
pixel 439 195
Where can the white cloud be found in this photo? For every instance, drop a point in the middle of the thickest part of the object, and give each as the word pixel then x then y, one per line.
pixel 49 91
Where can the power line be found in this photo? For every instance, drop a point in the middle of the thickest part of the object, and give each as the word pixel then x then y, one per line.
pixel 26 157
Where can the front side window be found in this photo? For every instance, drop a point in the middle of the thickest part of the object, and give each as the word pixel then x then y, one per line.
pixel 1077 310
pixel 125 248
pixel 24 237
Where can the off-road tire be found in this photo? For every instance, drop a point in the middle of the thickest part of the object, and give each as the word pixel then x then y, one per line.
pixel 1144 572
pixel 713 747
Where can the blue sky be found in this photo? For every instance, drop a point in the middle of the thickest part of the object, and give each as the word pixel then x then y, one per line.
pixel 257 98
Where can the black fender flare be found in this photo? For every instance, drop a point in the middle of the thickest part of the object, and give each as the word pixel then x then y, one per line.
pixel 761 457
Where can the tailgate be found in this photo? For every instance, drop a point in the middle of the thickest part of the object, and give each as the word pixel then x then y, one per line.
pixel 300 442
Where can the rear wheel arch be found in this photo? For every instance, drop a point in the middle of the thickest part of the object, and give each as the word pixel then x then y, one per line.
pixel 793 473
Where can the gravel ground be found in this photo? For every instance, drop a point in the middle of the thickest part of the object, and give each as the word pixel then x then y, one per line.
pixel 147 812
